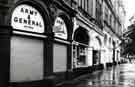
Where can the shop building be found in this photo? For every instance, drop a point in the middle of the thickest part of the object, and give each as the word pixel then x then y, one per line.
pixel 48 42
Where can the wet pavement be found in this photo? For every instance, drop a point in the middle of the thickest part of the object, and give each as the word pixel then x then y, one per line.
pixel 120 76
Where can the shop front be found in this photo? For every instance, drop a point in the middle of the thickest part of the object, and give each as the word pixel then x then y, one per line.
pixel 96 44
pixel 97 51
pixel 30 23
pixel 80 51
pixel 36 42
pixel 61 47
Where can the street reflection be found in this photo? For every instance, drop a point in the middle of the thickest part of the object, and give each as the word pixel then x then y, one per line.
pixel 116 76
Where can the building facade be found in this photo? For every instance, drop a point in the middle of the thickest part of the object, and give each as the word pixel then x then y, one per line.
pixel 50 41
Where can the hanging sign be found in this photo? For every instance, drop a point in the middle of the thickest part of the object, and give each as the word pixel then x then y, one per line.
pixel 25 17
pixel 59 28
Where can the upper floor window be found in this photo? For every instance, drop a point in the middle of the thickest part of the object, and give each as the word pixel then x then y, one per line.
pixel 105 39
pixel 106 14
pixel 86 5
pixel 110 19
pixel 114 23
pixel 90 7
pixel 99 12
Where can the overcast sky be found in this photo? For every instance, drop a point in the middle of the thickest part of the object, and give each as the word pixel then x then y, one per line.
pixel 130 9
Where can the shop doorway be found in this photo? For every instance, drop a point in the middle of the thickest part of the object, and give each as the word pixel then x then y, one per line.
pixel 80 48
pixel 97 44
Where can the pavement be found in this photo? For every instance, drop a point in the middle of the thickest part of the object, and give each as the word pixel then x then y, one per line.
pixel 117 76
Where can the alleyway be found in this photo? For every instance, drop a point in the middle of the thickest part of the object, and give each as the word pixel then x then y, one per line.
pixel 119 76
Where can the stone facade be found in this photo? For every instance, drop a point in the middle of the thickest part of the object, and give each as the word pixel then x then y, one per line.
pixel 50 41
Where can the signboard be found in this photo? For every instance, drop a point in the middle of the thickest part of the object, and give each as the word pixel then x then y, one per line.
pixel 25 17
pixel 59 28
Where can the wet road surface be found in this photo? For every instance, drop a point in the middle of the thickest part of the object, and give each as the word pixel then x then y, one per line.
pixel 119 76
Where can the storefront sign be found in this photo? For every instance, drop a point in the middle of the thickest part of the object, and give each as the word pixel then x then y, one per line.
pixel 60 28
pixel 27 18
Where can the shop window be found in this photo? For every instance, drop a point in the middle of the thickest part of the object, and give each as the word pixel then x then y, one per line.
pixel 96 57
pixel 60 28
pixel 81 60
pixel 60 58
pixel 79 55
pixel 26 62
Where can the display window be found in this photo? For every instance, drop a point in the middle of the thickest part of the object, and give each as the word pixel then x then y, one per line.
pixel 80 55
pixel 96 57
